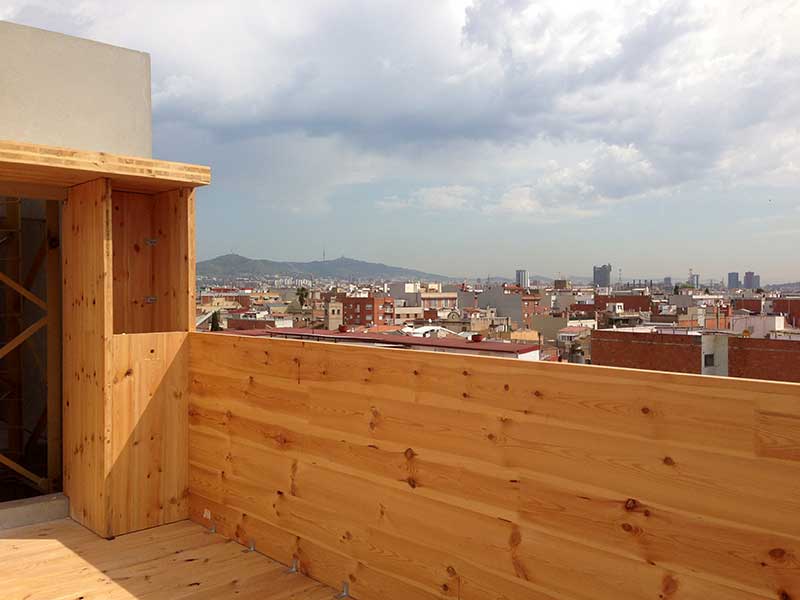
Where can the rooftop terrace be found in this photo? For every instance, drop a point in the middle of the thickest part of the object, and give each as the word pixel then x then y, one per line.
pixel 406 474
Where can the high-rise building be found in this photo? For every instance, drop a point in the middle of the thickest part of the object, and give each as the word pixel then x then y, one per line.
pixel 523 280
pixel 733 280
pixel 695 280
pixel 756 282
pixel 668 283
pixel 602 275
pixel 748 280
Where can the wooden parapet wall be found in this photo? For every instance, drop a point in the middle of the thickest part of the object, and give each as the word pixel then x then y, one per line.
pixel 419 475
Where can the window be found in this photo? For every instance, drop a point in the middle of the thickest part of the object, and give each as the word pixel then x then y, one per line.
pixel 708 360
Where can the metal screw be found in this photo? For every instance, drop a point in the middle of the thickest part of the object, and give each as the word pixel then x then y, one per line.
pixel 252 546
pixel 345 590
pixel 295 568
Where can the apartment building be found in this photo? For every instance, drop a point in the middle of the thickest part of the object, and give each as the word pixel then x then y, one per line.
pixel 372 310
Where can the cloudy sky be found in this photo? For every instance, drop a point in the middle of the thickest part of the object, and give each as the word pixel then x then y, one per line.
pixel 476 137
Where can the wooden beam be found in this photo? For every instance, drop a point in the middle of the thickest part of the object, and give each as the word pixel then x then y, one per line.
pixel 35 191
pixel 65 167
pixel 24 335
pixel 39 482
pixel 53 237
pixel 22 291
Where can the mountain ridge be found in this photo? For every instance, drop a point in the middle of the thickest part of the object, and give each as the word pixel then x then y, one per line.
pixel 232 265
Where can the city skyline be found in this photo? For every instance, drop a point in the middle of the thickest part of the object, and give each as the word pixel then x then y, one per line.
pixel 478 137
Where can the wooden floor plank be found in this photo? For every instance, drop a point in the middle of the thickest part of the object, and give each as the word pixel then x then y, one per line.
pixel 182 561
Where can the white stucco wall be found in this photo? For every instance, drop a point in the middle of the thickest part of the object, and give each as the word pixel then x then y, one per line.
pixel 61 90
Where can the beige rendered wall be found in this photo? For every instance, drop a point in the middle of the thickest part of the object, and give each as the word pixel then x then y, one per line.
pixel 61 90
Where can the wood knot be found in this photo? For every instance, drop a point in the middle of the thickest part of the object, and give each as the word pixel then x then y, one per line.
pixel 416 372
pixel 538 394
pixel 465 373
pixel 491 437
pixel 451 571
pixel 506 387
pixel 412 483
pixel 669 586
pixel 627 527
pixel 784 595
pixel 645 410
pixel 669 461
pixel 409 453
pixel 631 504
pixel 777 553
pixel 129 372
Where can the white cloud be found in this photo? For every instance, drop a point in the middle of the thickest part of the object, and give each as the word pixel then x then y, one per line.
pixel 546 110
pixel 438 198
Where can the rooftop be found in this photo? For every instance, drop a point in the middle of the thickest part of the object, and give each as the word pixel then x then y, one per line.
pixel 452 343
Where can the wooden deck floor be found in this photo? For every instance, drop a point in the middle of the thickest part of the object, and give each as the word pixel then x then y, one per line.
pixel 61 560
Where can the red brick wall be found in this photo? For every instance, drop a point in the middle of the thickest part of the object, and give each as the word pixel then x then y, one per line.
pixel 653 351
pixel 751 304
pixel 778 360
pixel 640 303
pixel 246 324
pixel 789 307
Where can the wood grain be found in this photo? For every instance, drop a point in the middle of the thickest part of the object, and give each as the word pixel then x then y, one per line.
pixel 87 331
pixel 148 478
pixel 475 477
pixel 54 168
pixel 61 560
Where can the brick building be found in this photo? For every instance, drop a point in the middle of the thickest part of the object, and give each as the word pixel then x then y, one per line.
pixel 629 302
pixel 692 352
pixel 790 308
pixel 754 305
pixel 679 353
pixel 373 310
pixel 777 360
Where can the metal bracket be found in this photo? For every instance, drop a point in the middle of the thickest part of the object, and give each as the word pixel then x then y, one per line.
pixel 295 568
pixel 150 299
pixel 345 590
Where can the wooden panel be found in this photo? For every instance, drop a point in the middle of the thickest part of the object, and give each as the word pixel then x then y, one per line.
pixel 174 259
pixel 87 329
pixel 148 479
pixel 62 560
pixel 475 477
pixel 154 261
pixel 64 167
pixel 134 279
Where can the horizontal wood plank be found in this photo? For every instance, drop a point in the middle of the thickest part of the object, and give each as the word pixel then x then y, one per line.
pixel 482 478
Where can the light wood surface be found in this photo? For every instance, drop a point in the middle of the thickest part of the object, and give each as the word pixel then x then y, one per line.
pixel 53 168
pixel 154 261
pixel 422 475
pixel 147 480
pixel 87 336
pixel 61 560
